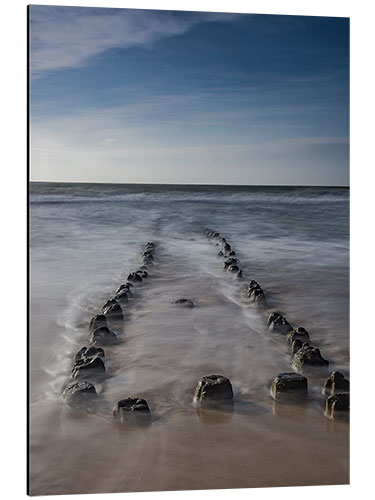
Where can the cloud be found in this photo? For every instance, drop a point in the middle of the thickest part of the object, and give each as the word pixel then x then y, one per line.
pixel 68 37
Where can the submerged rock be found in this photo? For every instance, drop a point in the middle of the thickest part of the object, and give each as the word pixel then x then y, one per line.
pixel 289 387
pixel 255 293
pixel 278 323
pixel 336 383
pixel 308 359
pixel 103 336
pixel 337 405
pixel 213 388
pixel 97 321
pixel 185 302
pixel 125 287
pixel 233 268
pixel 123 295
pixel 230 262
pixel 113 309
pixel 299 333
pixel 296 345
pixel 89 352
pixel 81 393
pixel 134 277
pixel 86 367
pixel 132 411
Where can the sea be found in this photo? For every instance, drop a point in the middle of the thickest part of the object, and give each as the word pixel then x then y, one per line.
pixel 84 240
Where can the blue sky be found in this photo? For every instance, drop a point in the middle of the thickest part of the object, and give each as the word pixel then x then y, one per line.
pixel 120 95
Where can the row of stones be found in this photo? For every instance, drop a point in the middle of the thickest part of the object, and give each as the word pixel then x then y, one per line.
pixel 305 357
pixel 88 363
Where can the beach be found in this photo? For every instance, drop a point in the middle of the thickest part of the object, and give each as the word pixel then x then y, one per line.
pixel 84 241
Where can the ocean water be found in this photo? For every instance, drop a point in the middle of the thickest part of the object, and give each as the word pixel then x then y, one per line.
pixel 86 238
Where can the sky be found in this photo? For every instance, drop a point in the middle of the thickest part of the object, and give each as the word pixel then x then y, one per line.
pixel 123 95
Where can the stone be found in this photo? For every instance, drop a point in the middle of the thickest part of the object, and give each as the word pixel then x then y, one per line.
pixel 220 254
pixel 296 345
pixel 87 367
pixel 213 388
pixel 299 333
pixel 125 287
pixel 278 323
pixel 232 252
pixel 233 268
pixel 103 336
pixel 134 277
pixel 147 255
pixel 308 359
pixel 337 405
pixel 142 272
pixel 89 352
pixel 97 321
pixel 289 387
pixel 255 293
pixel 81 393
pixel 185 302
pixel 230 262
pixel 132 411
pixel 123 296
pixel 113 309
pixel 336 383
pixel 227 247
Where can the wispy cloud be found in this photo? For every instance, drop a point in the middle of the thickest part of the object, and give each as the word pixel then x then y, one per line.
pixel 68 37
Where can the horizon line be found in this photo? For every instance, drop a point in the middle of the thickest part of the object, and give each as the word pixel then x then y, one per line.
pixel 191 184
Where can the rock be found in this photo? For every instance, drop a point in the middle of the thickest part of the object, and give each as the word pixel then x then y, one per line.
pixel 227 247
pixel 81 393
pixel 109 303
pixel 277 323
pixel 239 274
pixel 126 287
pixel 123 296
pixel 103 336
pixel 147 255
pixel 142 272
pixel 220 254
pixel 255 293
pixel 233 268
pixel 97 321
pixel 299 333
pixel 336 383
pixel 229 262
pixel 134 277
pixel 308 359
pixel 132 411
pixel 232 252
pixel 185 302
pixel 87 367
pixel 337 405
pixel 89 352
pixel 296 345
pixel 113 309
pixel 289 387
pixel 213 388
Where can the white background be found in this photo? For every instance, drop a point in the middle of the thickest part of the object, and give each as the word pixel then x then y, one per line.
pixel 13 243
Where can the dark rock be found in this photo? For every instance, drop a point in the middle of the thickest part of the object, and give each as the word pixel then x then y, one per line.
pixel 233 268
pixel 89 352
pixel 81 393
pixel 134 277
pixel 336 383
pixel 97 321
pixel 227 247
pixel 229 262
pixel 125 287
pixel 148 255
pixel 255 293
pixel 337 405
pixel 220 254
pixel 232 252
pixel 307 359
pixel 103 336
pixel 185 302
pixel 239 274
pixel 143 273
pixel 87 367
pixel 277 323
pixel 296 345
pixel 288 386
pixel 300 333
pixel 109 303
pixel 113 309
pixel 123 296
pixel 132 411
pixel 213 388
